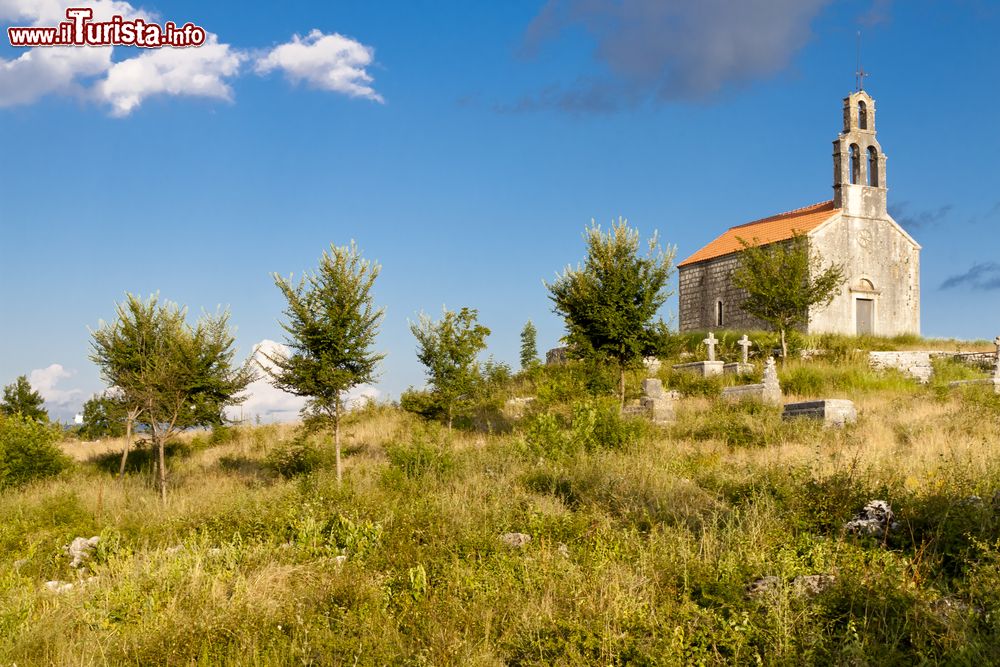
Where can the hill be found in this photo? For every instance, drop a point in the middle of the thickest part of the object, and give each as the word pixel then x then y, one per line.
pixel 719 539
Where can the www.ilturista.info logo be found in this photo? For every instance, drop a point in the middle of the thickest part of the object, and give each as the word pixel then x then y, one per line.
pixel 79 30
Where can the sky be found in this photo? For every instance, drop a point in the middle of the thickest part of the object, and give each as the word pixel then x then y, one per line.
pixel 465 147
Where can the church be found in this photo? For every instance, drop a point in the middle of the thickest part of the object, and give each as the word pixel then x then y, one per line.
pixel 881 295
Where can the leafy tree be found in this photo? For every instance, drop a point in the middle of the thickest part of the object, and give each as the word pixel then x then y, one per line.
pixel 331 329
pixel 529 345
pixel 28 450
pixel 783 281
pixel 171 376
pixel 610 301
pixel 104 416
pixel 448 348
pixel 20 399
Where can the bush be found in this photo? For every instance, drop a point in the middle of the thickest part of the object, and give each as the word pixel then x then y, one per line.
pixel 420 456
pixel 298 457
pixel 28 451
pixel 593 425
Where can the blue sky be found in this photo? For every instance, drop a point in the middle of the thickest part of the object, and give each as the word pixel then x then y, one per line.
pixel 465 146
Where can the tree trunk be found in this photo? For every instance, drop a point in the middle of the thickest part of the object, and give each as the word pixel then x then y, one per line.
pixel 163 469
pixel 621 384
pixel 128 444
pixel 336 438
pixel 784 348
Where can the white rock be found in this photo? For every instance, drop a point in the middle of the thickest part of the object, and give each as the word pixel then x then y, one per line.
pixel 515 540
pixel 80 550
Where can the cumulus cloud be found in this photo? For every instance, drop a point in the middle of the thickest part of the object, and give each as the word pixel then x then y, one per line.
pixel 328 62
pixel 199 72
pixel 669 50
pixel 56 70
pixel 273 405
pixel 45 381
pixel 983 276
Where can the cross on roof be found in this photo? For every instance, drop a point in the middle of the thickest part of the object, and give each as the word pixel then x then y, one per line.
pixel 745 343
pixel 711 343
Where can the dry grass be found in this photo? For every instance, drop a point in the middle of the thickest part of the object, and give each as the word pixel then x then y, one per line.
pixel 640 552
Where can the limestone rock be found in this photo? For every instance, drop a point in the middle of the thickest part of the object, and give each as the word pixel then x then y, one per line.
pixel 515 540
pixel 808 585
pixel 813 584
pixel 59 587
pixel 874 520
pixel 763 585
pixel 80 550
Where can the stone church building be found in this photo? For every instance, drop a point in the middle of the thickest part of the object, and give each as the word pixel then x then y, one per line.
pixel 881 261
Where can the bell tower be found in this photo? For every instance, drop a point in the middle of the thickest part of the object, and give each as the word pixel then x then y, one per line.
pixel 858 161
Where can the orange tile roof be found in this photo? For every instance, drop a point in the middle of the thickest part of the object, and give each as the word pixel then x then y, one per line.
pixel 766 230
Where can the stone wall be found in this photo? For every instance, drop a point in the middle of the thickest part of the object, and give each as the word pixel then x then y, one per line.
pixel 701 286
pixel 915 364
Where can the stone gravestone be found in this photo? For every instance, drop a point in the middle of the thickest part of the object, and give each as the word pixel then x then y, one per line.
pixel 768 391
pixel 652 365
pixel 743 367
pixel 831 411
pixel 656 404
pixel 705 368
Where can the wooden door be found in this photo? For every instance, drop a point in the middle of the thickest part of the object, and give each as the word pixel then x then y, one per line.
pixel 865 316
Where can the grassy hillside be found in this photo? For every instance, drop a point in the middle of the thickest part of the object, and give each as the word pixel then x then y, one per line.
pixel 643 540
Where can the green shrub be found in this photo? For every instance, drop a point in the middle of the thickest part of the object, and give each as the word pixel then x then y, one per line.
pixel 421 456
pixel 743 424
pixel 420 402
pixel 593 424
pixel 691 384
pixel 297 457
pixel 28 451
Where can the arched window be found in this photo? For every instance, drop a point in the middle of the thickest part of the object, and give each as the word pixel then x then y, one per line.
pixel 855 164
pixel 862 115
pixel 872 167
pixel 718 313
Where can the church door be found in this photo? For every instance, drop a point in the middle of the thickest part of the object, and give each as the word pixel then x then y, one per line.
pixel 865 316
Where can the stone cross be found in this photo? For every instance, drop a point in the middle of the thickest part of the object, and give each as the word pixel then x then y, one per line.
pixel 745 344
pixel 771 376
pixel 710 342
pixel 996 367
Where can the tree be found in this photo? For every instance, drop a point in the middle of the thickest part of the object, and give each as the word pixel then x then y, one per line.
pixel 171 376
pixel 28 450
pixel 104 416
pixel 448 348
pixel 529 346
pixel 20 399
pixel 783 281
pixel 610 301
pixel 331 330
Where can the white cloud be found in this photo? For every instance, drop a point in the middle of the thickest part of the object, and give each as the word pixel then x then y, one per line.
pixel 199 72
pixel 328 62
pixel 44 381
pixel 273 405
pixel 72 71
pixel 40 72
pixel 56 70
